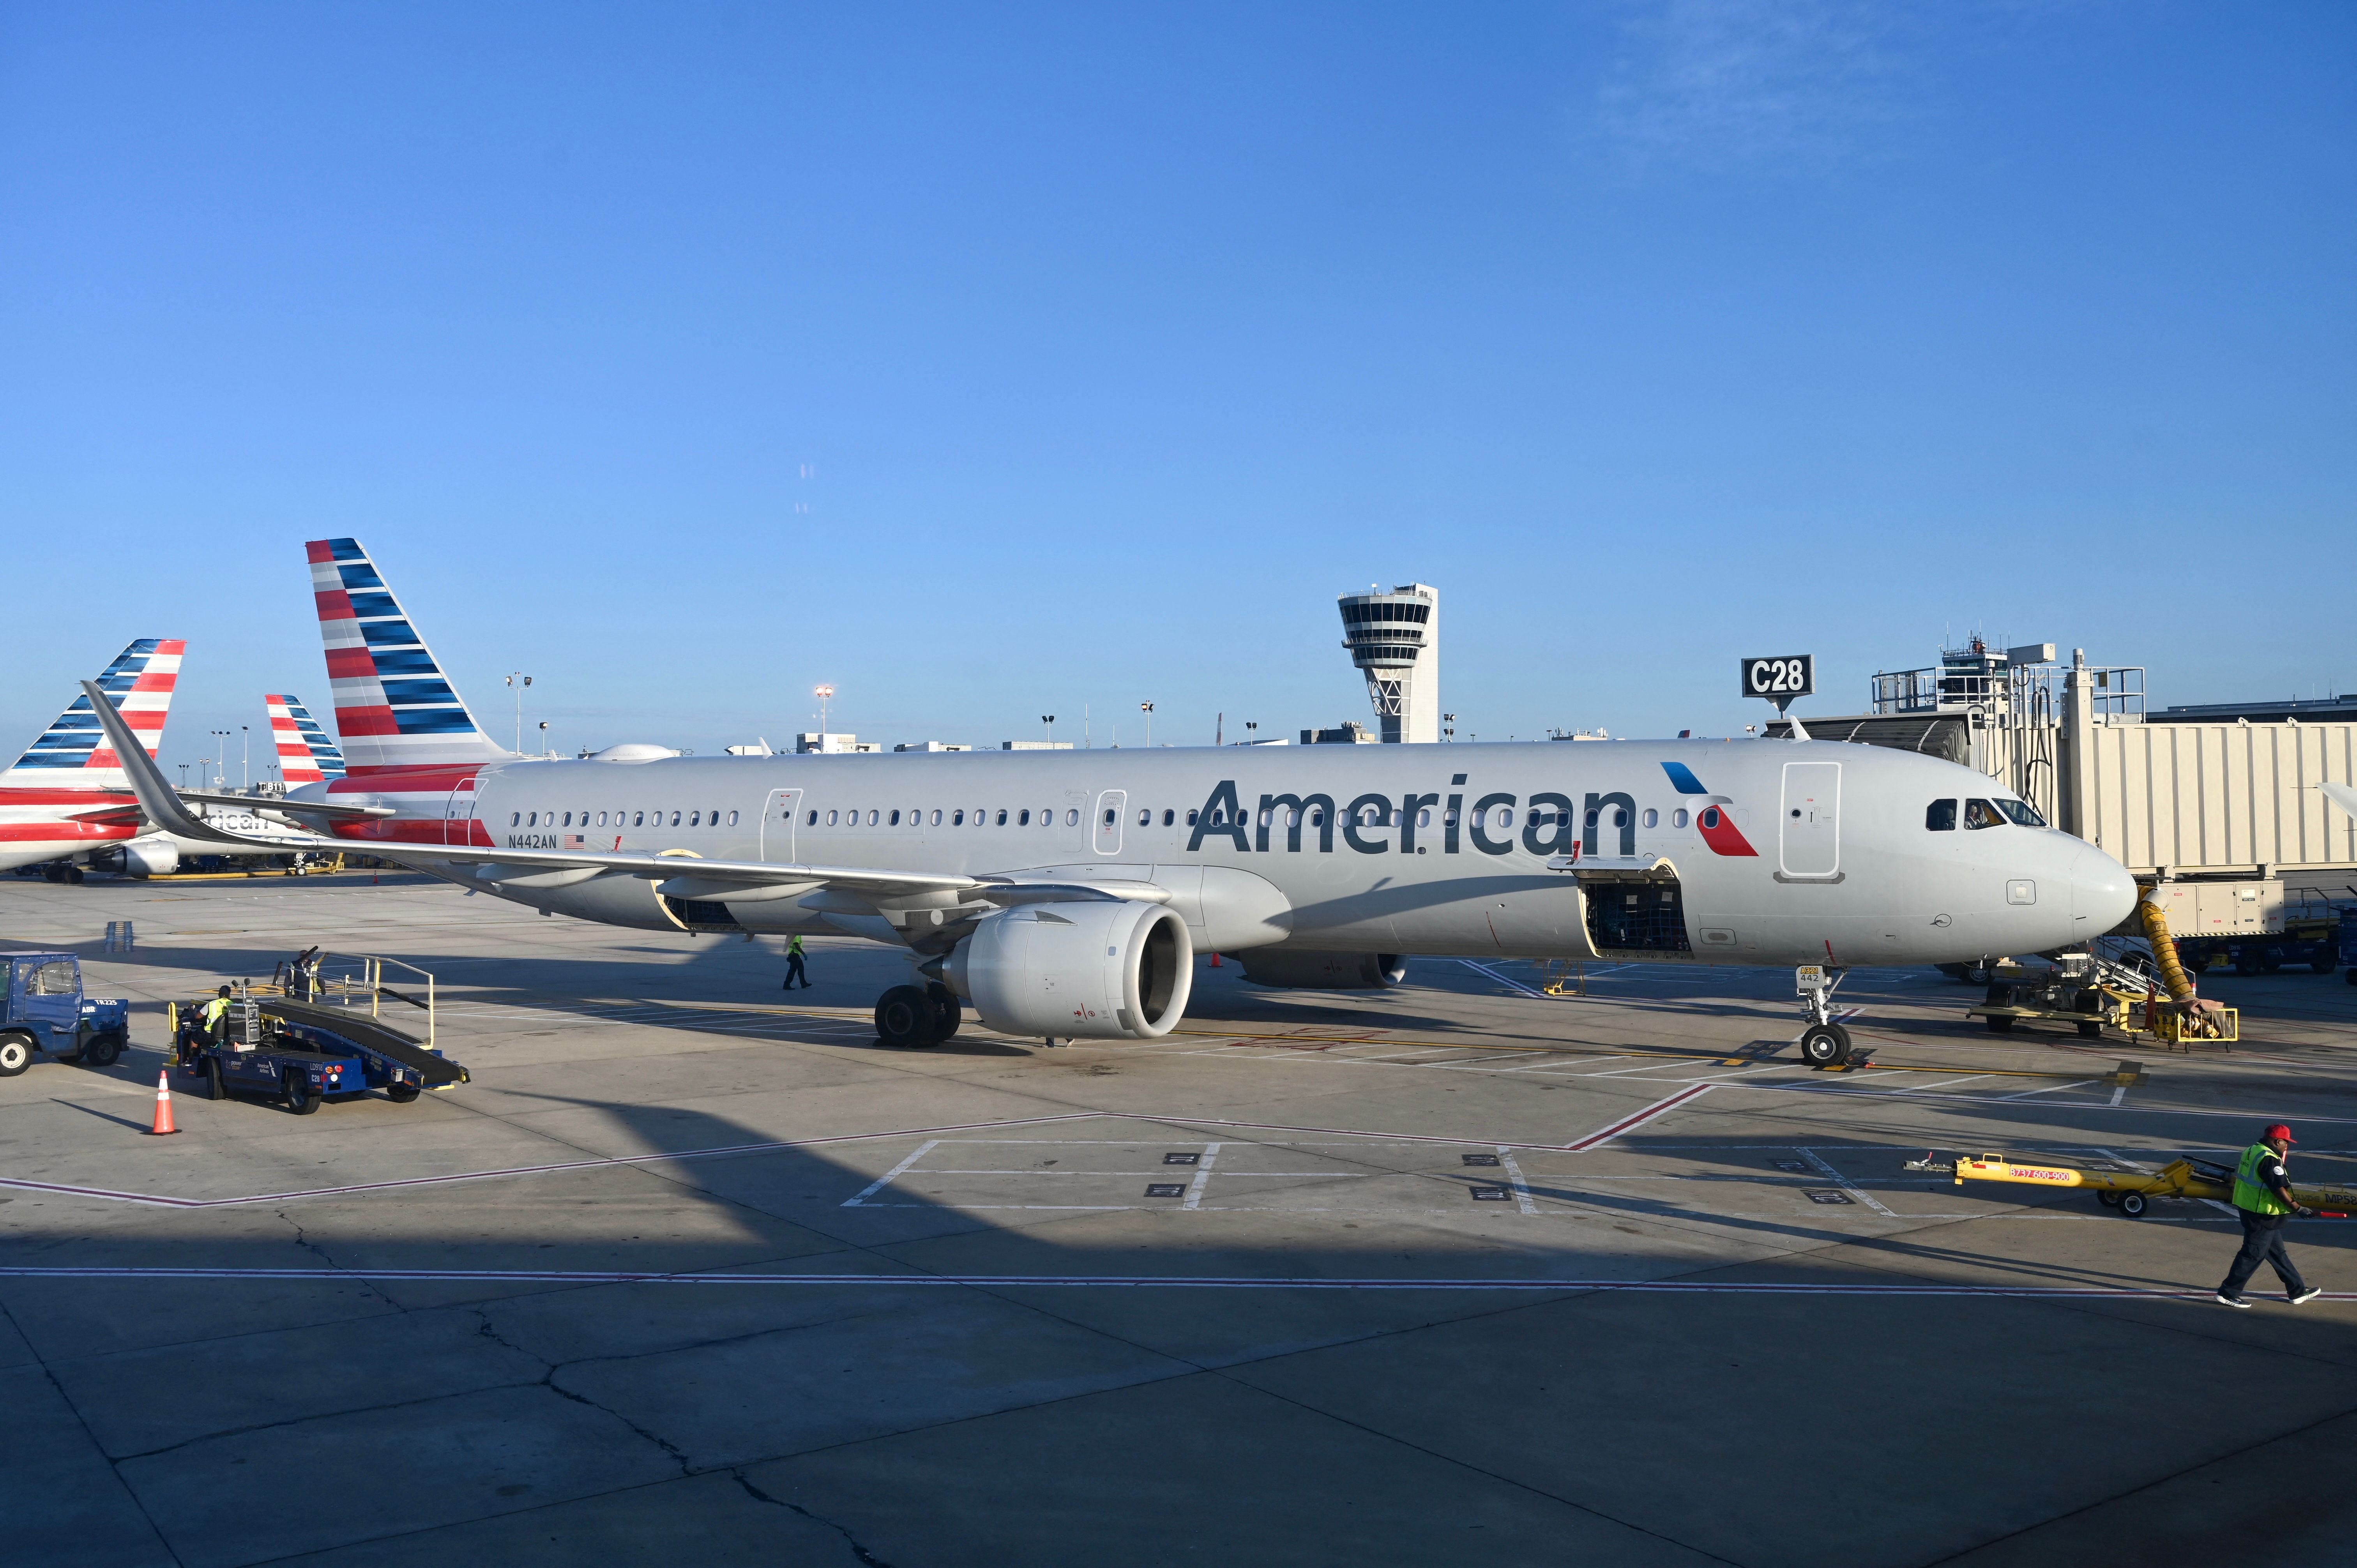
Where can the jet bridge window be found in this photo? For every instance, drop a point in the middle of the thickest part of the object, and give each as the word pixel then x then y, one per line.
pixel 1981 814
pixel 1940 817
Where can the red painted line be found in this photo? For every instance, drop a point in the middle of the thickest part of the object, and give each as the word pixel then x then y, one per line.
pixel 1124 1282
pixel 1631 1124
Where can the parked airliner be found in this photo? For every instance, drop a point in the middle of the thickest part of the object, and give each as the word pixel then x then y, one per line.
pixel 67 795
pixel 1065 894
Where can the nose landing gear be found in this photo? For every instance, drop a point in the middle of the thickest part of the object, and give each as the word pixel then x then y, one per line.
pixel 1824 1043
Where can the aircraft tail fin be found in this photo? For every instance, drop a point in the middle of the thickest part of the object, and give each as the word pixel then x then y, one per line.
pixel 395 708
pixel 305 755
pixel 73 753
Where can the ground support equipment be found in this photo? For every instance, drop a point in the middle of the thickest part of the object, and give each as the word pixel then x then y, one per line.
pixel 2118 1186
pixel 303 1053
pixel 45 1010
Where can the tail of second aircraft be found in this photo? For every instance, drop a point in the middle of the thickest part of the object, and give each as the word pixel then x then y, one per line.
pixel 394 709
pixel 305 755
pixel 73 754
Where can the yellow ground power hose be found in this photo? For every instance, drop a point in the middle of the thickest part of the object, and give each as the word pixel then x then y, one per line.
pixel 2164 951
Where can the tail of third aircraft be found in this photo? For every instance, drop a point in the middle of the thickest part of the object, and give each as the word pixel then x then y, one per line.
pixel 72 752
pixel 305 755
pixel 394 709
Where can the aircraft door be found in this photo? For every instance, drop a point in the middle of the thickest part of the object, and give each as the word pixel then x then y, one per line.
pixel 1105 836
pixel 778 824
pixel 458 813
pixel 1810 829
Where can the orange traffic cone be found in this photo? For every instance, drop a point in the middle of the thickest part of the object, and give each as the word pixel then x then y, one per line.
pixel 164 1104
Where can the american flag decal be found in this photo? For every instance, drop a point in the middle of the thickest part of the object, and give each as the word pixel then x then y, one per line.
pixel 575 841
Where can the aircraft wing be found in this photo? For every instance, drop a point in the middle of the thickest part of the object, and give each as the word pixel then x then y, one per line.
pixel 273 803
pixel 681 875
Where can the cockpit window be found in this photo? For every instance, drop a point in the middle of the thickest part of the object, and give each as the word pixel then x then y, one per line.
pixel 1981 814
pixel 1940 817
pixel 2022 812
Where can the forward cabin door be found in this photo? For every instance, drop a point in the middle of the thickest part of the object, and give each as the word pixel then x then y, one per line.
pixel 1105 836
pixel 1809 842
pixel 778 824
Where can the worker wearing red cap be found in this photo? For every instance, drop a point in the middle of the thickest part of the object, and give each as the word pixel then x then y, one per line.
pixel 2263 1201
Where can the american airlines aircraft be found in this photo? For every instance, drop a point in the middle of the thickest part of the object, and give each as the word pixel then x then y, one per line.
pixel 66 796
pixel 1064 895
pixel 305 755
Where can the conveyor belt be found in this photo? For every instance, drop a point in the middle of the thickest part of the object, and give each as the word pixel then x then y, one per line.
pixel 369 1034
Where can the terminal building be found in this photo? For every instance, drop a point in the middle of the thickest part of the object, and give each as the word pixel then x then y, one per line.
pixel 1395 640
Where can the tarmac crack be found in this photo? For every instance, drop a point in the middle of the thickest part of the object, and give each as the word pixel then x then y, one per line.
pixel 678 1456
pixel 858 1548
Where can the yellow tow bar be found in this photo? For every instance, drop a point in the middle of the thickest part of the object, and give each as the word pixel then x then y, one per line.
pixel 2128 1191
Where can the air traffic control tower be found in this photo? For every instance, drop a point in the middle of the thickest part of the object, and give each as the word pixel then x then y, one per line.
pixel 1395 640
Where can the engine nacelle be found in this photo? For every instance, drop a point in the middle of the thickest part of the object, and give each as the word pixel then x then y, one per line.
pixel 153 856
pixel 1108 970
pixel 1284 970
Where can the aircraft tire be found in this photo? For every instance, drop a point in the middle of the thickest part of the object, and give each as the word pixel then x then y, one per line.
pixel 906 1018
pixel 1825 1045
pixel 947 1014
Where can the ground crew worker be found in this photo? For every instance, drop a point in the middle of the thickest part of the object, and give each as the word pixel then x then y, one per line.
pixel 216 1018
pixel 2263 1201
pixel 794 970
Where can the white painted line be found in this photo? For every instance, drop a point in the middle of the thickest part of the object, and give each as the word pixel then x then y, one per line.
pixel 1863 1196
pixel 880 1183
pixel 1203 1176
pixel 337 1276
pixel 1505 981
pixel 1515 1179
pixel 2050 1088
pixel 1631 1124
pixel 2119 1094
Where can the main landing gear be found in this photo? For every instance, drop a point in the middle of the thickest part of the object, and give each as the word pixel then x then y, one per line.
pixel 912 1017
pixel 1824 1043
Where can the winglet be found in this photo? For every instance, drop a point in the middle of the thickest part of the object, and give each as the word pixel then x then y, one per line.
pixel 156 797
pixel 2340 795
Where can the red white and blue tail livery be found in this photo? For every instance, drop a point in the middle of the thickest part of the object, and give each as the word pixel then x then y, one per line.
pixel 305 754
pixel 394 710
pixel 67 793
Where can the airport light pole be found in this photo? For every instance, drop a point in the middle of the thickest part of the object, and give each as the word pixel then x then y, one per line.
pixel 184 773
pixel 221 779
pixel 543 737
pixel 1250 725
pixel 517 682
pixel 1450 723
pixel 823 693
pixel 1048 729
pixel 1147 709
pixel 245 761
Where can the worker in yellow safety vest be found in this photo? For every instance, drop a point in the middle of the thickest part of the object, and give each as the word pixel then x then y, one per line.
pixel 2263 1201
pixel 216 1018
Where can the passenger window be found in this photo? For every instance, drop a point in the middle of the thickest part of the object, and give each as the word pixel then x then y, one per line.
pixel 1940 817
pixel 1191 816
pixel 515 819
pixel 1981 814
pixel 1146 818
pixel 871 817
pixel 1652 818
pixel 1108 817
pixel 639 820
pixel 813 819
pixel 1424 818
pixel 675 819
pixel 1709 818
pixel 568 819
pixel 957 819
pixel 1002 817
pixel 937 819
pixel 1293 818
pixel 531 820
pixel 1317 818
pixel 1451 819
pixel 1046 816
pixel 1170 817
pixel 829 819
pixel 896 820
pixel 1678 817
pixel 1023 819
pixel 1072 818
pixel 1620 817
pixel 601 819
pixel 696 818
pixel 732 819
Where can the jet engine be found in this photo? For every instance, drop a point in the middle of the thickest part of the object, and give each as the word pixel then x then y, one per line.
pixel 1281 970
pixel 155 855
pixel 1115 970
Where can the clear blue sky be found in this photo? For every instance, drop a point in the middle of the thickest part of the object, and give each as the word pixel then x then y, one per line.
pixel 991 360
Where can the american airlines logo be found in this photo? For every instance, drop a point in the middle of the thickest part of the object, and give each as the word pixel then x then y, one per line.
pixel 1548 823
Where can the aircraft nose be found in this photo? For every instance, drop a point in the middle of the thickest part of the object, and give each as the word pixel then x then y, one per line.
pixel 2103 893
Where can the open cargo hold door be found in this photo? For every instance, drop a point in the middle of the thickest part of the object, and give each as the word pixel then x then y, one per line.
pixel 1634 911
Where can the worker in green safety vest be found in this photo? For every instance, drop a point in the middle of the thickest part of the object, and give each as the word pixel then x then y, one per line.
pixel 2264 1201
pixel 216 1018
pixel 794 970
